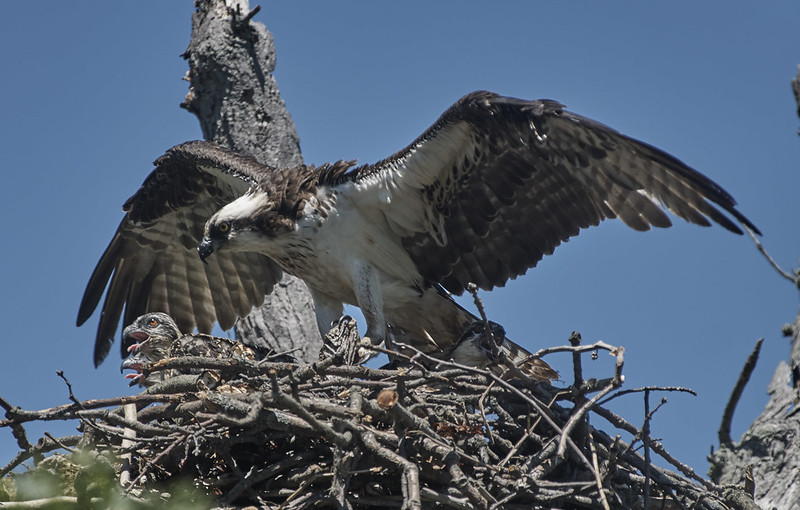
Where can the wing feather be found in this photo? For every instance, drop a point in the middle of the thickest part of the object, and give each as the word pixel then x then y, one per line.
pixel 151 263
pixel 497 183
pixel 223 301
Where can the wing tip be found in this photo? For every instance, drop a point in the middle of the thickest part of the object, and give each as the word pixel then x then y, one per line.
pixel 745 222
pixel 101 349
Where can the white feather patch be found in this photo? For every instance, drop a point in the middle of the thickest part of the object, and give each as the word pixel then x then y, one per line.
pixel 244 207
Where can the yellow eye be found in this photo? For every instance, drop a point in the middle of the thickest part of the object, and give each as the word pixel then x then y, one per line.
pixel 153 322
pixel 224 227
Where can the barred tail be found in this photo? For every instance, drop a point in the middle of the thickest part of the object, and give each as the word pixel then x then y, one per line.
pixel 529 365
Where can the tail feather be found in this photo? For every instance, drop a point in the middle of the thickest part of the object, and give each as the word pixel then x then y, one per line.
pixel 526 362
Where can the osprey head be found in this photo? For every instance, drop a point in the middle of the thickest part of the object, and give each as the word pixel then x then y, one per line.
pixel 249 223
pixel 154 328
pixel 477 345
pixel 148 338
pixel 137 362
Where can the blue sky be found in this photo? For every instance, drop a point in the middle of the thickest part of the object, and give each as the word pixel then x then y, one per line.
pixel 90 98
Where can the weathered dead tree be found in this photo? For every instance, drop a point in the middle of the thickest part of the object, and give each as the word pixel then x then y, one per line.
pixel 428 434
pixel 233 94
pixel 767 458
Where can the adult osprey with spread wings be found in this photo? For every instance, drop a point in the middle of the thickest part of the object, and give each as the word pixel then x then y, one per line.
pixel 481 196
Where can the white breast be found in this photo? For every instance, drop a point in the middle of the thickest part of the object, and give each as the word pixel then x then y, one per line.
pixel 333 238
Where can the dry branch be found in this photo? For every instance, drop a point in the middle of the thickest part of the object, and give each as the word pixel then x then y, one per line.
pixel 444 435
pixel 727 416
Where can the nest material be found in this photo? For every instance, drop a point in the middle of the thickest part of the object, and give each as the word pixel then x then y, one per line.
pixel 325 435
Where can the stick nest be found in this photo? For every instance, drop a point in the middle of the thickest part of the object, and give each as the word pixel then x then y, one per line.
pixel 427 435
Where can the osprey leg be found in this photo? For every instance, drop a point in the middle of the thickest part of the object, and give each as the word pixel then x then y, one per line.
pixel 329 311
pixel 367 286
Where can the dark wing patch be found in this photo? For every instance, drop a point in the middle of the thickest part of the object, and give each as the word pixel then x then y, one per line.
pixel 152 264
pixel 497 183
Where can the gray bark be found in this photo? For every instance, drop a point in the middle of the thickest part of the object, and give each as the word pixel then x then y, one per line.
pixel 771 446
pixel 235 97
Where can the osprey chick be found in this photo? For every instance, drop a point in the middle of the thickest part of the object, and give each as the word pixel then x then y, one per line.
pixel 155 336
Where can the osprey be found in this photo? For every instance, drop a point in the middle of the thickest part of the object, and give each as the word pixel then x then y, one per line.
pixel 155 336
pixel 343 338
pixel 481 196
pixel 475 348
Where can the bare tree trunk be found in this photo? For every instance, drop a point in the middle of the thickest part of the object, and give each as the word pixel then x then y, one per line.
pixel 766 461
pixel 236 99
pixel 770 448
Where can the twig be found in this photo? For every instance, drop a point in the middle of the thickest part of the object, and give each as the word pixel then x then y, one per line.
pixel 796 91
pixel 250 15
pixel 60 373
pixel 513 451
pixel 473 290
pixel 615 382
pixel 577 348
pixel 255 476
pixel 41 447
pixel 154 462
pixel 792 277
pixel 724 433
pixel 647 388
pixel 130 434
pixel 619 422
pixel 462 483
pixel 483 412
pixel 598 479
pixel 536 405
pixel 289 402
pixel 58 442
pixel 17 430
pixel 646 442
pixel 74 410
pixel 411 494
pixel 580 413
pixel 445 499
pixel 54 502
pixel 575 341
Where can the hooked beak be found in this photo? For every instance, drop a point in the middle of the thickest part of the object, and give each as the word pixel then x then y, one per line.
pixel 133 339
pixel 131 362
pixel 207 247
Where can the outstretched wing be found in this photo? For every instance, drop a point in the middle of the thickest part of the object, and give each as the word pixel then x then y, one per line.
pixel 152 264
pixel 497 183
